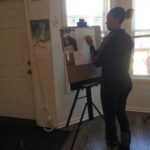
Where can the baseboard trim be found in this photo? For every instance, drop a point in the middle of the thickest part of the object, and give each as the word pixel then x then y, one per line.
pixel 138 109
pixel 76 119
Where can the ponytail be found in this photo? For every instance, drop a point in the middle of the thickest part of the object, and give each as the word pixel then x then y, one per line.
pixel 129 13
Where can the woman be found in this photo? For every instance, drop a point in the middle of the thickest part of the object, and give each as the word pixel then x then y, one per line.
pixel 114 56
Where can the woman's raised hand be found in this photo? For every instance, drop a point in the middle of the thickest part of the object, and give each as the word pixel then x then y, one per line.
pixel 88 40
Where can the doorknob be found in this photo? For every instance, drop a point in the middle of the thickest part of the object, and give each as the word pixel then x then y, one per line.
pixel 29 71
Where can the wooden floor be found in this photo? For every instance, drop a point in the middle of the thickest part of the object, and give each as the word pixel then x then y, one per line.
pixel 91 135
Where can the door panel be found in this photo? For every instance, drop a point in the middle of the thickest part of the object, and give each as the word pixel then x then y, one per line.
pixel 16 99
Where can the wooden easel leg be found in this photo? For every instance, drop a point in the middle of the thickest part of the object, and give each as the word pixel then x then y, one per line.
pixel 77 130
pixel 89 103
pixel 72 108
pixel 102 116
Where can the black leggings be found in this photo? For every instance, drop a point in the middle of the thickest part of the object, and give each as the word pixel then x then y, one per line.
pixel 114 103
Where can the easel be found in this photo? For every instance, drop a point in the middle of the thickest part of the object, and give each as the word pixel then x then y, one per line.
pixel 83 76
pixel 89 104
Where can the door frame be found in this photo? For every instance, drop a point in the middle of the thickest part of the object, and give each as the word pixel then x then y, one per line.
pixel 34 77
pixel 44 103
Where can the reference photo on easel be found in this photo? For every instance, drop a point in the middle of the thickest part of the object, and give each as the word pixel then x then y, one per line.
pixel 82 74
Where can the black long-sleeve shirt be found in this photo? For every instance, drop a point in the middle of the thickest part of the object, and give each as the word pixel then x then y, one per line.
pixel 114 57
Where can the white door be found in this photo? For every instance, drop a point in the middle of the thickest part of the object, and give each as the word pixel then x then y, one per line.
pixel 16 99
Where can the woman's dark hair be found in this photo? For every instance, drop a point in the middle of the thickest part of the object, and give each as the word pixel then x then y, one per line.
pixel 121 14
